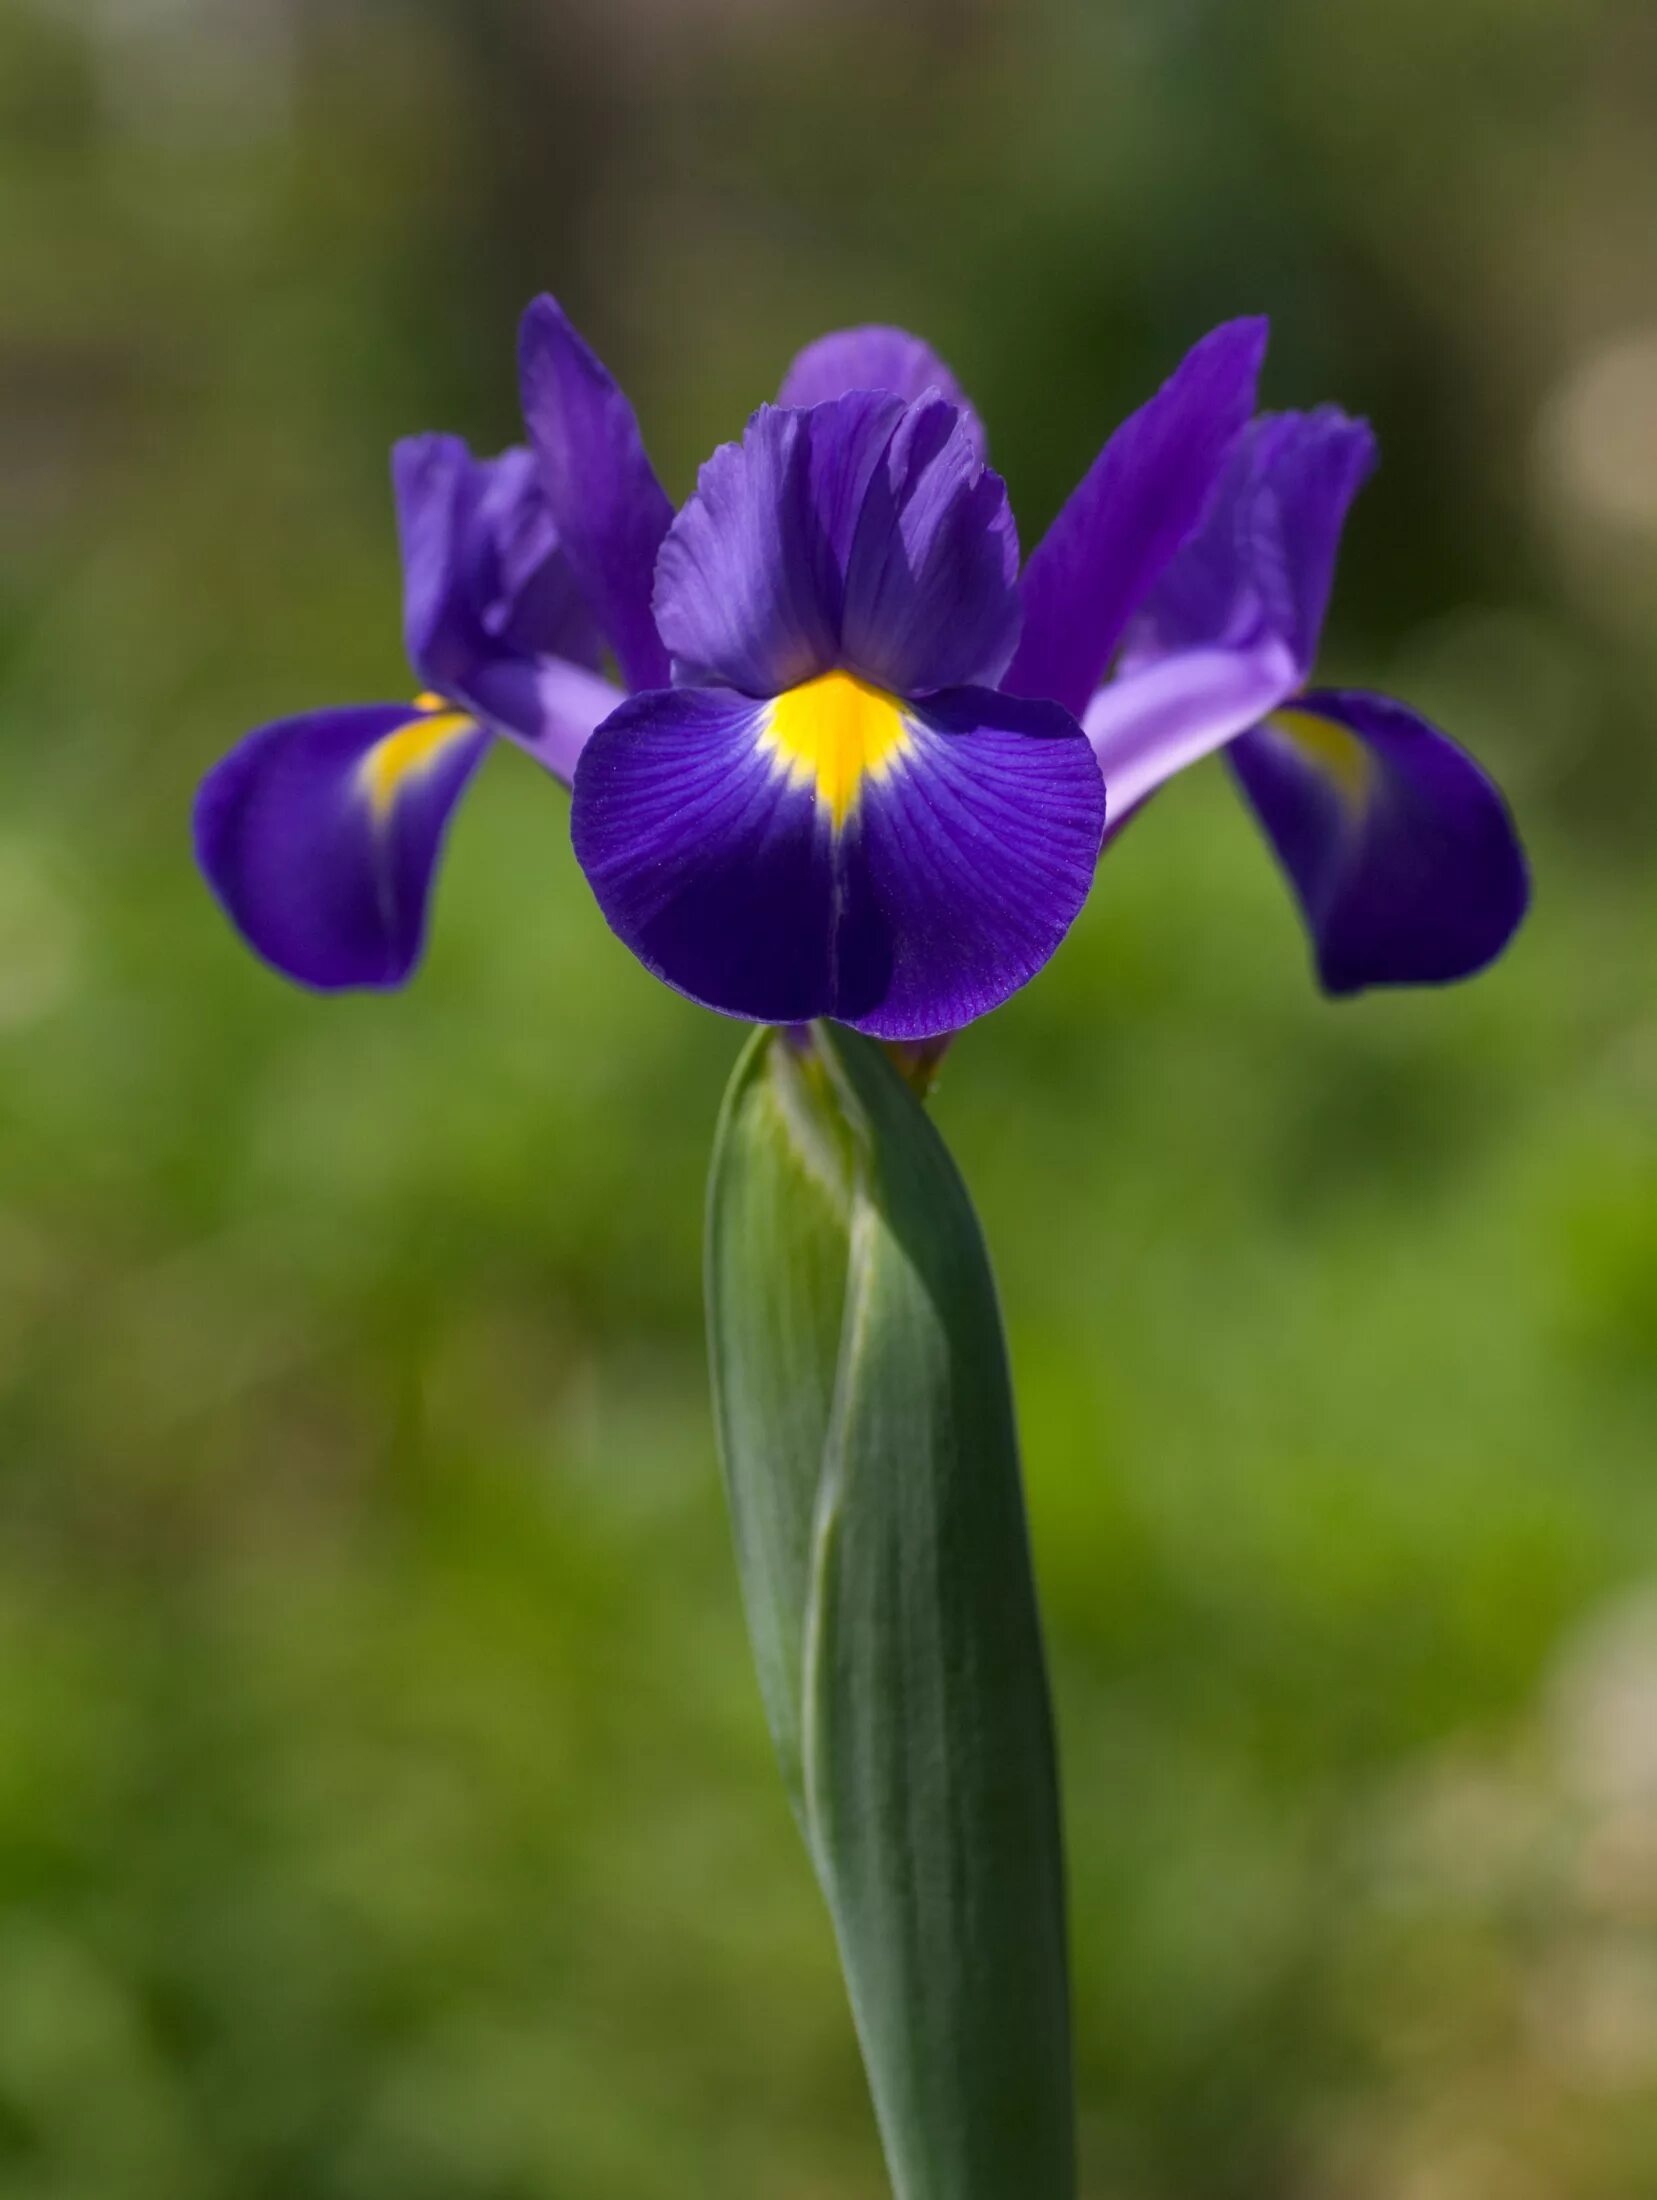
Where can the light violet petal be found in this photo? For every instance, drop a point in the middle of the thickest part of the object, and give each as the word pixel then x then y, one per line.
pixel 1148 724
pixel 547 706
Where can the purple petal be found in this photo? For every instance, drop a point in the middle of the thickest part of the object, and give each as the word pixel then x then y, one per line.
pixel 320 836
pixel 484 574
pixel 546 705
pixel 1401 852
pixel 492 615
pixel 932 578
pixel 858 533
pixel 1137 503
pixel 434 482
pixel 900 867
pixel 1263 561
pixel 1147 724
pixel 748 586
pixel 875 358
pixel 538 610
pixel 610 510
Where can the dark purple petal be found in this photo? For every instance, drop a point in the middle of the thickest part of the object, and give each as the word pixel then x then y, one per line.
pixel 900 867
pixel 609 509
pixel 860 533
pixel 875 358
pixel 1401 851
pixel 1263 560
pixel 1149 723
pixel 1135 506
pixel 320 836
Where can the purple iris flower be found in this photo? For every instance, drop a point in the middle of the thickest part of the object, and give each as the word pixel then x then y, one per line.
pixel 849 778
pixel 841 804
pixel 1400 850
pixel 833 811
pixel 320 835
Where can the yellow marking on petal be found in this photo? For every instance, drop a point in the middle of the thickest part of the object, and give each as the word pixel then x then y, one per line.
pixel 832 734
pixel 407 751
pixel 1334 749
pixel 429 699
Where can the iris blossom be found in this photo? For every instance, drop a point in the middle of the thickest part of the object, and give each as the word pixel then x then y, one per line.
pixel 850 777
pixel 1399 848
pixel 320 834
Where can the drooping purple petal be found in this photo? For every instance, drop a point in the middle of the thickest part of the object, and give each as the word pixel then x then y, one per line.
pixel 1263 561
pixel 607 505
pixel 1401 851
pixel 320 836
pixel 860 532
pixel 875 358
pixel 1138 502
pixel 902 868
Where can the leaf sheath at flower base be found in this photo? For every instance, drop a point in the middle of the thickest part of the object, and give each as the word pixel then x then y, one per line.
pixel 866 1427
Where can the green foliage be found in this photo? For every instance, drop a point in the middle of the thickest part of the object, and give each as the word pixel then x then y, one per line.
pixel 871 1461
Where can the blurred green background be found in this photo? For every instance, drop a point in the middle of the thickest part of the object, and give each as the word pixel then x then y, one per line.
pixel 385 1807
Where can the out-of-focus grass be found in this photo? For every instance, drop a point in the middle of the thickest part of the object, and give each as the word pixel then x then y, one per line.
pixel 384 1803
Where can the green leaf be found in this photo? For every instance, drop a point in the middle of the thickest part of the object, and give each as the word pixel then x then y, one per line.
pixel 866 1427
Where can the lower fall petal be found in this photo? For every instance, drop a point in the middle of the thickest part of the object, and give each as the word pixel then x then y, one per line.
pixel 901 867
pixel 320 836
pixel 1400 849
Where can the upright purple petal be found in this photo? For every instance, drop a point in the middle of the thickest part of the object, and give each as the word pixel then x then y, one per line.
pixel 493 618
pixel 320 836
pixel 609 509
pixel 536 609
pixel 437 487
pixel 875 358
pixel 748 584
pixel 861 533
pixel 836 852
pixel 1263 561
pixel 932 576
pixel 1138 502
pixel 1401 851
